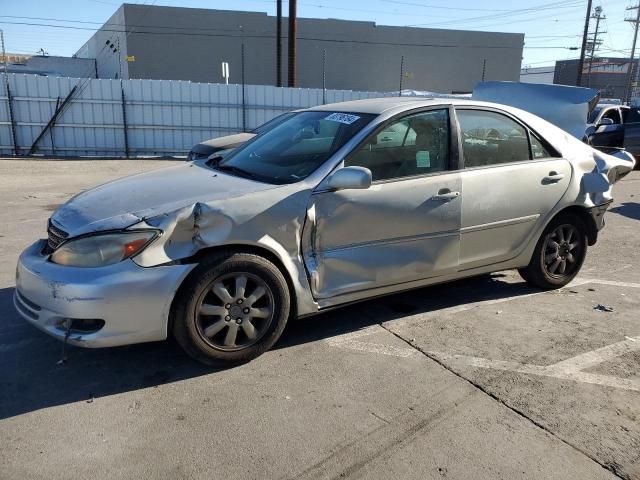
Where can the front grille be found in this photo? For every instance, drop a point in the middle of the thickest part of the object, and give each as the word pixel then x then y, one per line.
pixel 55 237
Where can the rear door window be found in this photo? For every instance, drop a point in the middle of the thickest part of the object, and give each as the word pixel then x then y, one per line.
pixel 490 138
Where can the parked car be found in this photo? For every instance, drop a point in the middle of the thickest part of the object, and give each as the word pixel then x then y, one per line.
pixel 318 212
pixel 613 127
pixel 204 150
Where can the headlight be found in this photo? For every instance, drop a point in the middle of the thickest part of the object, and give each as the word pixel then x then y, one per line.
pixel 102 249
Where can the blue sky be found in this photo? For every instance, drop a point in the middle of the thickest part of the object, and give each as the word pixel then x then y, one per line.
pixel 549 27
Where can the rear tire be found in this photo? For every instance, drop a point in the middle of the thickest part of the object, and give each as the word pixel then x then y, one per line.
pixel 232 308
pixel 559 253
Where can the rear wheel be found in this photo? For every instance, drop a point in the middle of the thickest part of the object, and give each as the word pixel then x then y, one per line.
pixel 559 253
pixel 231 309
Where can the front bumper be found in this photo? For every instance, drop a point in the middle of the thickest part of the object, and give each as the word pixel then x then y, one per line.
pixel 132 301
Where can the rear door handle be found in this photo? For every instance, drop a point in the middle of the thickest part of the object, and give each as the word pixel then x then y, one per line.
pixel 446 196
pixel 553 177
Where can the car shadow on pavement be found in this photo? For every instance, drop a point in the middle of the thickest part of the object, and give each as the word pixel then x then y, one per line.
pixel 400 305
pixel 31 377
pixel 628 209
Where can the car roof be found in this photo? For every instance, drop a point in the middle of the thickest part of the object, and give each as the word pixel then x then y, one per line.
pixel 373 105
pixel 379 105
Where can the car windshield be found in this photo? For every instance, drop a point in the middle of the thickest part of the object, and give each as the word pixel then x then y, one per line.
pixel 295 148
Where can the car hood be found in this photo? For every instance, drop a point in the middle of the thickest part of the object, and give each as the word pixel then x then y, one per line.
pixel 229 141
pixel 129 200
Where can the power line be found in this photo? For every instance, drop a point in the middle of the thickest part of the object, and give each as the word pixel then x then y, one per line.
pixel 465 9
pixel 545 6
pixel 527 19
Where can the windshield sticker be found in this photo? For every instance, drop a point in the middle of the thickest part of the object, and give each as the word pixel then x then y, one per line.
pixel 345 118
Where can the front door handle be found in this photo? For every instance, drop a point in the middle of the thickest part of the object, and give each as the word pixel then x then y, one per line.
pixel 553 177
pixel 446 195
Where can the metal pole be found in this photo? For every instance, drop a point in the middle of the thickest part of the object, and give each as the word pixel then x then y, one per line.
pixel 484 68
pixel 584 45
pixel 279 43
pixel 633 52
pixel 292 42
pixel 244 105
pixel 53 143
pixel 9 102
pixel 401 74
pixel 324 76
pixel 124 122
pixel 12 120
pixel 53 119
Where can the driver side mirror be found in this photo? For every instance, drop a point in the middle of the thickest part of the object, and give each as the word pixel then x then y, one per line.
pixel 605 122
pixel 350 178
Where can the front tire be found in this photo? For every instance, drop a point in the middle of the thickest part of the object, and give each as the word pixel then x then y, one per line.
pixel 232 308
pixel 559 253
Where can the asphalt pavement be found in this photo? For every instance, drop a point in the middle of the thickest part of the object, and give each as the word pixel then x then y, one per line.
pixel 484 378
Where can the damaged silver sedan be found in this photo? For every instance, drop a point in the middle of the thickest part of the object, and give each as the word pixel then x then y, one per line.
pixel 337 204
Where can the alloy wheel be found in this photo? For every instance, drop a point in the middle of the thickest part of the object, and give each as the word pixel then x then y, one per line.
pixel 563 251
pixel 235 311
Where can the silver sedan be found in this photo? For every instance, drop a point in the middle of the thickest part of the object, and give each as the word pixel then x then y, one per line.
pixel 336 204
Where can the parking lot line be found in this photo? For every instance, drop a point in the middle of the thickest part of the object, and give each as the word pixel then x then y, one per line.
pixel 596 357
pixel 568 369
pixel 614 283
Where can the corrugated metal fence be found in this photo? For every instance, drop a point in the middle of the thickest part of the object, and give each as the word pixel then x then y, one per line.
pixel 137 117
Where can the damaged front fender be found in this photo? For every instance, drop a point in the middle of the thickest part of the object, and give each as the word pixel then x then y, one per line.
pixel 261 220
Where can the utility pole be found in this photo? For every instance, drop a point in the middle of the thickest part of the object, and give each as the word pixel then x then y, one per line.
pixel 636 22
pixel 292 43
pixel 279 43
pixel 594 43
pixel 584 44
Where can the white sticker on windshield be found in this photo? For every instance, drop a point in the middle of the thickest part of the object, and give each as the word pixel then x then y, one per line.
pixel 345 118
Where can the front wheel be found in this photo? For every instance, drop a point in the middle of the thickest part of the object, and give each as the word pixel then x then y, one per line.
pixel 231 309
pixel 559 253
